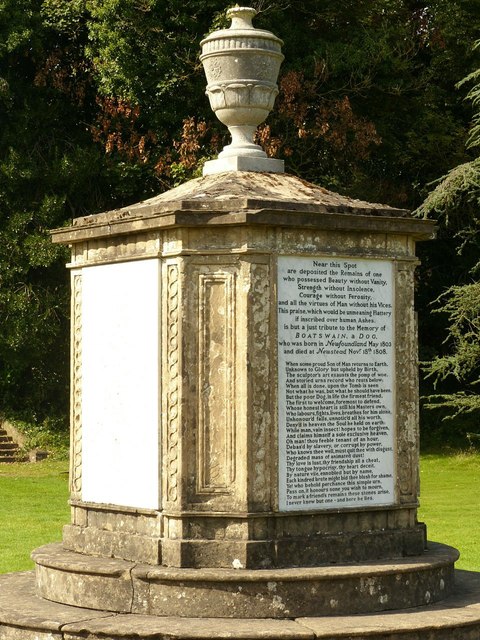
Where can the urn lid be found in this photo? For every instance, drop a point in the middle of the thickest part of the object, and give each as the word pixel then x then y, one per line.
pixel 241 34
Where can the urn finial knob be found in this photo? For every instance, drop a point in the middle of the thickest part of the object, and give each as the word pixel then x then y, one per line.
pixel 241 65
pixel 241 17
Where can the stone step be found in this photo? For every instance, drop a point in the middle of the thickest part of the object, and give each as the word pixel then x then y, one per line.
pixel 125 587
pixel 8 446
pixel 7 457
pixel 25 616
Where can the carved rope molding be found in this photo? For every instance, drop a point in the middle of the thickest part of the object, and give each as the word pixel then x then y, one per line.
pixel 76 418
pixel 173 382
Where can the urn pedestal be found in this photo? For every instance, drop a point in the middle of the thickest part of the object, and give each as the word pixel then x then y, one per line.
pixel 244 406
pixel 207 337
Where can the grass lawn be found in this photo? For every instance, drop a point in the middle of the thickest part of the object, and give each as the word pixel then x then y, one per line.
pixel 450 501
pixel 33 507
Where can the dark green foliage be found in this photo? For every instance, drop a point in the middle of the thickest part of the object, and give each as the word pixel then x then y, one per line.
pixel 455 202
pixel 380 115
pixel 367 103
pixel 102 103
pixel 49 172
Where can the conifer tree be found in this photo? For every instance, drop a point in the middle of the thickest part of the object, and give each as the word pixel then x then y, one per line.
pixel 455 202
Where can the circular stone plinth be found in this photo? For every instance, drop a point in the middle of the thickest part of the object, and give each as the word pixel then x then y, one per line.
pixel 25 616
pixel 119 586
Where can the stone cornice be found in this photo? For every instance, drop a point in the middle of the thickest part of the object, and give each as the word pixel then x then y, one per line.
pixel 246 198
pixel 339 220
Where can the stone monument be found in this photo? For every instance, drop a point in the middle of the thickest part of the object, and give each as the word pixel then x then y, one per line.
pixel 244 445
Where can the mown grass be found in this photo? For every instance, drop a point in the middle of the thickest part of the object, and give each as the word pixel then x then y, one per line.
pixel 33 506
pixel 33 509
pixel 450 501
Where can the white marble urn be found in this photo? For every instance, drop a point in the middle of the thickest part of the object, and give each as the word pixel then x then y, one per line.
pixel 242 65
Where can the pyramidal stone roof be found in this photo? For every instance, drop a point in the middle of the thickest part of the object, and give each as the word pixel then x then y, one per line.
pixel 241 197
pixel 246 189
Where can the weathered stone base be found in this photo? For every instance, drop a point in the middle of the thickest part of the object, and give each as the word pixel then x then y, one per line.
pixel 252 541
pixel 112 544
pixel 120 586
pixel 25 616
pixel 363 546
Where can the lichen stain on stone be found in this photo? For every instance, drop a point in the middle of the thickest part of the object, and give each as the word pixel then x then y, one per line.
pixel 277 603
pixel 370 585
